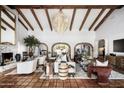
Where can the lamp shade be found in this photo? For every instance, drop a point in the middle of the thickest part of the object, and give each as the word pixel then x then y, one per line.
pixel 101 48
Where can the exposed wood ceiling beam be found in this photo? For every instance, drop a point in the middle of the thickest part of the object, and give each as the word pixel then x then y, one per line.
pixel 48 17
pixel 105 17
pixel 26 20
pixel 67 6
pixel 3 27
pixel 72 20
pixel 86 15
pixel 36 18
pixel 22 24
pixel 5 12
pixel 97 18
pixel 7 24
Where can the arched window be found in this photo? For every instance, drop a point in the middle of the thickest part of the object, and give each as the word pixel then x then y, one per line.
pixel 61 46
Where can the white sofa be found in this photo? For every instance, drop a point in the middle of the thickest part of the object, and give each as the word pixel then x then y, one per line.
pixel 42 60
pixel 26 67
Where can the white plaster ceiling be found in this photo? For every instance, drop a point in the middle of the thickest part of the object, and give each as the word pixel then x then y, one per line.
pixel 79 16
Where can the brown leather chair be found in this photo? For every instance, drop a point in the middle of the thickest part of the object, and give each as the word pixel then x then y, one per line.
pixel 102 73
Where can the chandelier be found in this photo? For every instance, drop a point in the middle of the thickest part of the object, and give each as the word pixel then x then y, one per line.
pixel 60 22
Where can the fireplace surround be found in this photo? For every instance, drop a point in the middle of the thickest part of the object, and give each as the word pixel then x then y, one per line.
pixel 6 58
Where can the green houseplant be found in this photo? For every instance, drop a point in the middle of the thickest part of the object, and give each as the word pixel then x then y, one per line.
pixel 31 42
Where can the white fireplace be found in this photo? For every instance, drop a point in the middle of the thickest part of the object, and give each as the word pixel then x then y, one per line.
pixel 7 49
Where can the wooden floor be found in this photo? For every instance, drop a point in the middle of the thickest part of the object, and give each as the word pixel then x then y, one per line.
pixel 33 81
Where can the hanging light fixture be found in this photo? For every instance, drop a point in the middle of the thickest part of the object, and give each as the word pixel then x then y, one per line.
pixel 60 22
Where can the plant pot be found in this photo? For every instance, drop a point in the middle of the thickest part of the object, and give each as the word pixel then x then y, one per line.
pixel 30 54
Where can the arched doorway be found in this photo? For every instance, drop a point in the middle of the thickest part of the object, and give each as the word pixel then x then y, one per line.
pixel 83 50
pixel 61 45
pixel 43 49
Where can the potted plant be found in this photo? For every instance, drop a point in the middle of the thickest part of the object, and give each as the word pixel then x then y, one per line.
pixel 31 42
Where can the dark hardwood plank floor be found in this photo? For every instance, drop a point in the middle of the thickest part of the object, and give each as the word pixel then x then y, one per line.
pixel 33 81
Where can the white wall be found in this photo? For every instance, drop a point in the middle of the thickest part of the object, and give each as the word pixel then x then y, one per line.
pixel 21 34
pixel 70 37
pixel 111 29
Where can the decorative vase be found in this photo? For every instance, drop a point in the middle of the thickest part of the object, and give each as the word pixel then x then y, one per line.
pixel 18 57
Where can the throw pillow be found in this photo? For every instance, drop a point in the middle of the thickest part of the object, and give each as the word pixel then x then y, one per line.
pixel 98 63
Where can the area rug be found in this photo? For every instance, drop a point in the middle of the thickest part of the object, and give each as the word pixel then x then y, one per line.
pixel 14 72
pixel 80 74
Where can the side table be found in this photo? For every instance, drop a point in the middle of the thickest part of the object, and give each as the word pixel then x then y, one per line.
pixel 51 59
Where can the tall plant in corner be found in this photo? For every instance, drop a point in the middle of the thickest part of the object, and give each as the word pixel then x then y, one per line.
pixel 31 42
